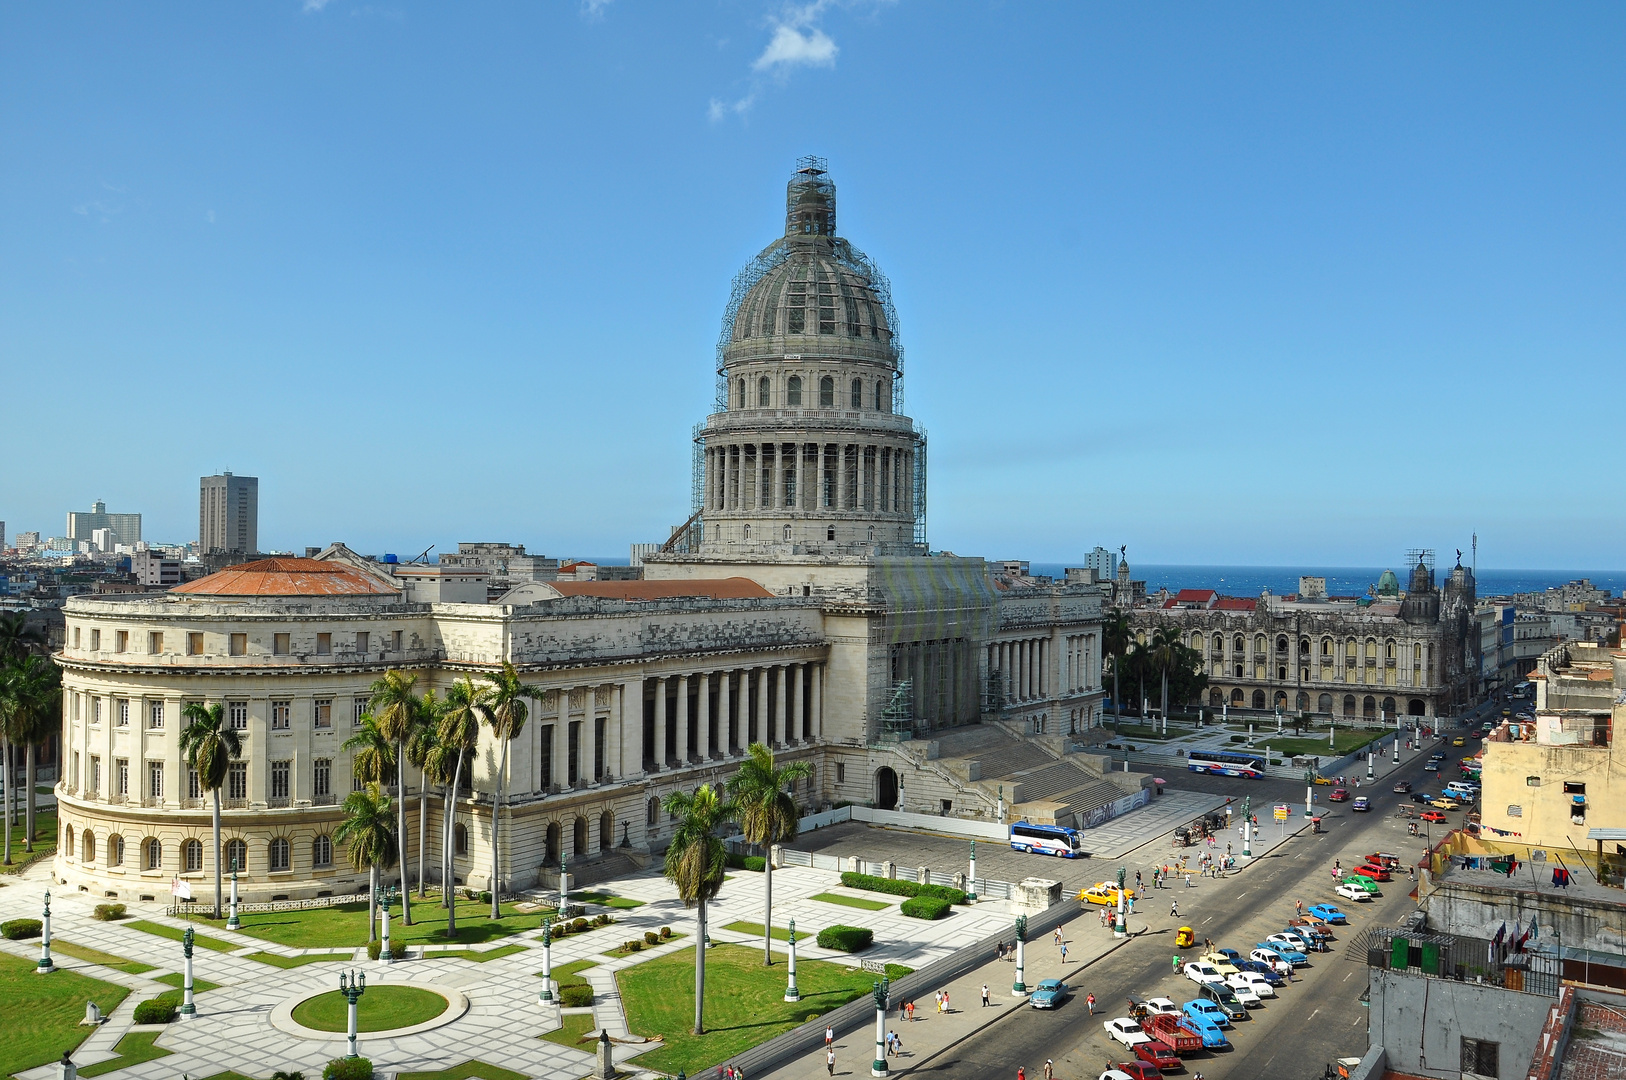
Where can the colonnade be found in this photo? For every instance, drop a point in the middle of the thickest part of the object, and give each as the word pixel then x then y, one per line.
pixel 705 716
pixel 810 476
pixel 1025 663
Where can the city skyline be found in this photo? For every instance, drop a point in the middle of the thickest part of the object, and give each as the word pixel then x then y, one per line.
pixel 1285 289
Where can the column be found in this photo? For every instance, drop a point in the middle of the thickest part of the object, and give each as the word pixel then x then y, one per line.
pixel 764 727
pixel 781 694
pixel 660 722
pixel 1032 673
pixel 703 721
pixel 724 711
pixel 590 737
pixel 560 733
pixel 815 712
pixel 682 719
pixel 797 704
pixel 863 478
pixel 765 471
pixel 615 733
pixel 1044 658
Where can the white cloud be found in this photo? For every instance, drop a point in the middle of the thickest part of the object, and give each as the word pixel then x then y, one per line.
pixel 717 110
pixel 594 9
pixel 797 42
pixel 316 5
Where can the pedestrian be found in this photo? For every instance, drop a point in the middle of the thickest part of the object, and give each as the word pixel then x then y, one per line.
pixel 985 995
pixel 897 1045
pixel 1137 879
pixel 1174 909
pixel 730 1072
pixel 1090 1001
pixel 1188 881
pixel 945 1001
pixel 1298 906
pixel 1049 1069
pixel 1174 963
pixel 1064 955
pixel 939 997
pixel 829 1034
pixel 1021 1074
pixel 830 1060
pixel 1058 935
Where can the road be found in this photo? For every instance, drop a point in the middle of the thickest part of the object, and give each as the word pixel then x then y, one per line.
pixel 1315 1019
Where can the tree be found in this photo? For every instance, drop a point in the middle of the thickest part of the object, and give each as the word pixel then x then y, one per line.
pixel 36 713
pixel 506 717
pixel 17 638
pixel 397 711
pixel 695 863
pixel 422 745
pixel 466 704
pixel 1164 652
pixel 209 747
pixel 368 835
pixel 768 815
pixel 1115 639
pixel 372 758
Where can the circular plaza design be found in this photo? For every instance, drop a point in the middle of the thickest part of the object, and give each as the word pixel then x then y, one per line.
pixel 396 1009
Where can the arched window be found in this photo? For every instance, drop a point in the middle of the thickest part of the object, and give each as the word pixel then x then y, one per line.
pixel 322 851
pixel 787 534
pixel 793 390
pixel 278 855
pixel 236 856
pixel 1324 703
pixel 579 838
pixel 1304 646
pixel 830 533
pixel 880 396
pixel 858 394
pixel 152 854
pixel 1236 697
pixel 1197 642
pixel 1369 706
pixel 827 392
pixel 87 846
pixel 747 532
pixel 1238 645
pixel 1389 649
pixel 763 393
pixel 1216 698
pixel 1349 704
pixel 872 534
pixel 739 394
pixel 551 844
pixel 1417 656
pixel 652 811
pixel 1371 648
pixel 1302 702
pixel 1259 699
pixel 1389 707
pixel 1281 644
pixel 606 830
pixel 115 850
pixel 1280 700
pixel 1259 644
pixel 192 856
pixel 67 841
pixel 1326 646
pixel 460 838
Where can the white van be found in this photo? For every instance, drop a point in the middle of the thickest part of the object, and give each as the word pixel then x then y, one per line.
pixel 1463 787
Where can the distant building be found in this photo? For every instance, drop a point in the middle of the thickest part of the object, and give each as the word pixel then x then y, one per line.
pixel 28 541
pixel 1103 562
pixel 228 513
pixel 505 563
pixel 155 570
pixel 640 550
pixel 83 526
pixel 422 583
pixel 2 535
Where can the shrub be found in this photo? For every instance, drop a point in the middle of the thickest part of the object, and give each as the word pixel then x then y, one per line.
pixel 374 948
pixel 348 1069
pixel 925 907
pixel 17 929
pixel 575 995
pixel 754 862
pixel 485 897
pixel 1239 738
pixel 109 912
pixel 895 887
pixel 651 938
pixel 845 938
pixel 578 925
pixel 632 946
pixel 666 932
pixel 155 1011
pixel 601 920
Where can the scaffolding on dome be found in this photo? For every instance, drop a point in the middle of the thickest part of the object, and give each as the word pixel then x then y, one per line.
pixel 1420 555
pixel 920 488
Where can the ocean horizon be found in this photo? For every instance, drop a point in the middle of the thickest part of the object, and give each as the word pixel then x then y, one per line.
pixel 1341 580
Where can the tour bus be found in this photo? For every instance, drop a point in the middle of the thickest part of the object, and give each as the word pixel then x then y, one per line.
pixel 1046 840
pixel 1227 763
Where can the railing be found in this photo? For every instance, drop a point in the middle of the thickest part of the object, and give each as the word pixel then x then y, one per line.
pixel 207 910
pixel 277 802
pixel 1464 959
pixel 234 803
pixel 323 800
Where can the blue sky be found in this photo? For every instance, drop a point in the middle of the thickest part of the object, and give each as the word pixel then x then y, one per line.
pixel 1244 284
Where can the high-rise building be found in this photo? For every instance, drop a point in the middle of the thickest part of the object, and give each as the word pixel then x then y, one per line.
pixel 229 513
pixel 82 526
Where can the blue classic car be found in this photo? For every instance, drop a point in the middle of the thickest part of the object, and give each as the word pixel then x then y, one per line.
pixel 1203 1009
pixel 1292 956
pixel 1328 912
pixel 1049 994
pixel 1272 976
pixel 1212 1035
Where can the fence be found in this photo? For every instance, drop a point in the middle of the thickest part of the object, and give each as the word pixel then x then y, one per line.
pixel 1452 956
pixel 986 888
pixel 188 909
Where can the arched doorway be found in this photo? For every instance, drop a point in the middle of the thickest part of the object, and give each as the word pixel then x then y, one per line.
pixel 578 844
pixel 1349 704
pixel 606 830
pixel 1415 707
pixel 1236 697
pixel 1216 698
pixel 552 857
pixel 1369 707
pixel 1281 699
pixel 886 788
pixel 1259 699
pixel 1389 707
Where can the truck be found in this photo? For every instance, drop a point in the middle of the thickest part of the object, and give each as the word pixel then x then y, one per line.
pixel 1174 1034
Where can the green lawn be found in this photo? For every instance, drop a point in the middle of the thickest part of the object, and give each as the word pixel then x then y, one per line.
pixel 851 901
pixel 44 841
pixel 576 1027
pixel 1347 741
pixel 619 951
pixel 463 1072
pixel 178 981
pixel 280 961
pixel 381 1008
pixel 346 924
pixel 1147 731
pixel 202 941
pixel 133 1049
pixel 472 954
pixel 229 1074
pixel 41 1013
pixel 603 899
pixel 96 956
pixel 745 1003
pixel 565 974
pixel 804 934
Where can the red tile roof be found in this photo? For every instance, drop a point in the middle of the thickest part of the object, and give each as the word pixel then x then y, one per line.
pixel 288 577
pixel 1195 596
pixel 1235 603
pixel 734 588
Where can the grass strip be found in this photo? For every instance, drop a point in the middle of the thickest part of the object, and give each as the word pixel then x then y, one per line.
pixel 202 940
pixel 381 1008
pixel 40 1014
pixel 279 961
pixel 475 955
pixel 133 1049
pixel 315 928
pixel 464 1072
pixel 603 899
pixel 573 1029
pixel 96 956
pixel 178 981
pixel 644 946
pixel 850 901
pixel 565 974
pixel 804 934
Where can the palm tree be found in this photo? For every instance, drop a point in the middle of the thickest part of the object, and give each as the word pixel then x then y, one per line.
pixel 397 708
pixel 422 745
pixel 369 838
pixel 13 695
pixel 695 863
pixel 17 638
pixel 36 712
pixel 506 717
pixel 372 758
pixel 466 705
pixel 768 815
pixel 1166 652
pixel 209 746
pixel 1115 641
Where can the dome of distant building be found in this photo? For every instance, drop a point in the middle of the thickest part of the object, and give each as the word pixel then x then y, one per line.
pixel 1388 584
pixel 288 577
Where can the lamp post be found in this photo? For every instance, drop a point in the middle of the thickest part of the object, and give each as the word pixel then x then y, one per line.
pixel 384 902
pixel 1370 756
pixel 188 1010
pixel 1247 828
pixel 1118 930
pixel 564 883
pixel 352 991
pixel 882 991
pixel 1332 732
pixel 231 920
pixel 46 966
pixel 791 993
pixel 1020 988
pixel 1397 748
pixel 547 962
pixel 971 878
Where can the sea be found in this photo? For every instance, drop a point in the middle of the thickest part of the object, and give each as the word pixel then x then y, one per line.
pixel 1341 580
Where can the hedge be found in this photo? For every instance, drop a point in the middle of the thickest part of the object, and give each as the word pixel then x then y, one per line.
pixel 898 887
pixel 109 912
pixel 155 1011
pixel 348 1069
pixel 925 907
pixel 747 862
pixel 17 929
pixel 575 995
pixel 845 938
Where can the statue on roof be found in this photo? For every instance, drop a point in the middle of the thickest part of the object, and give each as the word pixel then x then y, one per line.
pixel 1459 558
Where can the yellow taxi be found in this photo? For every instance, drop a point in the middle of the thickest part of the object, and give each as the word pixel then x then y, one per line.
pixel 1103 892
pixel 1459 741
pixel 1444 804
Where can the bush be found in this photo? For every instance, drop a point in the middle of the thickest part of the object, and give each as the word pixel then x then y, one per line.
pixel 17 929
pixel 374 948
pixel 601 920
pixel 485 897
pixel 348 1069
pixel 576 995
pixel 651 938
pixel 666 932
pixel 895 887
pixel 845 938
pixel 578 925
pixel 925 907
pixel 109 912
pixel 155 1011
pixel 1239 738
pixel 632 946
pixel 754 862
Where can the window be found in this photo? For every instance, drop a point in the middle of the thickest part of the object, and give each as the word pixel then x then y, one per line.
pixel 236 856
pixel 739 394
pixel 827 392
pixel 238 645
pixel 155 779
pixel 358 710
pixel 76 637
pixel 460 839
pixel 87 846
pixel 324 644
pixel 121 776
pixel 763 393
pixel 155 643
pixel 94 784
pixel 95 710
pixel 115 851
pixel 152 855
pixel 121 641
pixel 192 856
pixel 787 534
pixel 237 781
pixel 880 396
pixel 281 711
pixel 155 715
pixel 322 851
pixel 95 640
pixel 1573 788
pixel 362 641
pixel 194 644
pixel 67 841
pixel 74 775
pixel 322 777
pixel 122 717
pixel 841 772
pixel 1480 1057
pixel 830 533
pixel 279 644
pixel 857 396
pixel 279 779
pixel 747 532
pixel 395 640
pixel 237 715
pixel 323 713
pixel 194 784
pixel 278 855
pixel 793 390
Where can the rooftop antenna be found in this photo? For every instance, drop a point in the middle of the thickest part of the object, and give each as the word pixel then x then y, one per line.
pixel 424 555
pixel 1475 559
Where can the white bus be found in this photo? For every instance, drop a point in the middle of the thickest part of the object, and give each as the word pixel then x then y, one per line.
pixel 1046 840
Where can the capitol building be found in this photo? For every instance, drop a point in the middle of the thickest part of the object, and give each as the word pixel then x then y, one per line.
pixel 800 606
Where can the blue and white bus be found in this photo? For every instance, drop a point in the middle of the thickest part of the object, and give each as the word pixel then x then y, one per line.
pixel 1046 840
pixel 1227 763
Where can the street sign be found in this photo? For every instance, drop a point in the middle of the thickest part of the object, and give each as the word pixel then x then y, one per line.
pixel 1282 812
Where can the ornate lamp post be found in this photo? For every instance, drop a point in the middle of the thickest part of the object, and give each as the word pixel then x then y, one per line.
pixel 547 962
pixel 352 991
pixel 1247 828
pixel 1370 756
pixel 46 966
pixel 1118 927
pixel 232 922
pixel 882 991
pixel 1020 988
pixel 971 878
pixel 188 1010
pixel 384 902
pixel 791 993
pixel 564 883
pixel 1397 748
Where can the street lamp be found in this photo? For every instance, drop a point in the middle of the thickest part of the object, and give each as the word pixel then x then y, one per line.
pixel 547 961
pixel 188 1010
pixel 1020 988
pixel 1118 930
pixel 882 990
pixel 352 991
pixel 231 921
pixel 46 966
pixel 1247 827
pixel 791 993
pixel 384 901
pixel 971 879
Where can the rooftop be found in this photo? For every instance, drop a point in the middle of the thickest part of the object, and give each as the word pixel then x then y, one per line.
pixel 733 588
pixel 288 577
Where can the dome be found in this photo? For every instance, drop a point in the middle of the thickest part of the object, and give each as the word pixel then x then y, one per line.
pixel 1388 584
pixel 1422 578
pixel 288 577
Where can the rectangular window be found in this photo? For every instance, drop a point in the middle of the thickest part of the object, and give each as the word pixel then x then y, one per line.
pixel 324 644
pixel 95 641
pixel 279 779
pixel 279 644
pixel 194 784
pixel 841 773
pixel 76 637
pixel 237 781
pixel 281 713
pixel 237 715
pixel 194 644
pixel 121 641
pixel 1480 1057
pixel 1574 789
pixel 322 777
pixel 239 645
pixel 95 710
pixel 123 717
pixel 74 775
pixel 155 779
pixel 94 784
pixel 358 710
pixel 155 643
pixel 361 641
pixel 121 776
pixel 73 700
pixel 323 713
pixel 395 641
pixel 155 715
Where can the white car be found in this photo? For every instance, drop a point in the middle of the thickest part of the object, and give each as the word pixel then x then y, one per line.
pixel 1254 983
pixel 1115 1074
pixel 1162 1006
pixel 1199 972
pixel 1127 1032
pixel 1353 892
pixel 1272 960
pixel 1292 941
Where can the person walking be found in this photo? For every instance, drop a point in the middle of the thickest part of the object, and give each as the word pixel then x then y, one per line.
pixel 1064 954
pixel 829 1034
pixel 910 1007
pixel 1298 906
pixel 985 995
pixel 830 1060
pixel 1021 1073
pixel 1174 909
pixel 1089 1000
pixel 945 1001
pixel 1058 935
pixel 1049 1069
pixel 1137 880
pixel 897 1045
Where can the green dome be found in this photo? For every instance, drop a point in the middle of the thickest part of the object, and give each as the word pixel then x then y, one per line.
pixel 1388 584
